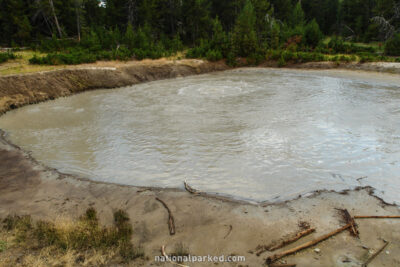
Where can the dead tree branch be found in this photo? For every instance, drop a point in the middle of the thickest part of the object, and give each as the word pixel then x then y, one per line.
pixel 293 239
pixel 307 244
pixel 373 256
pixel 171 222
pixel 377 217
pixel 190 189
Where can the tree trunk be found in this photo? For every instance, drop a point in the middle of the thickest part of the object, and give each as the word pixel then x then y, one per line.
pixel 55 18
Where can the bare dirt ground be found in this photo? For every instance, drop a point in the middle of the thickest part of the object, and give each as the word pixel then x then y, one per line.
pixel 205 225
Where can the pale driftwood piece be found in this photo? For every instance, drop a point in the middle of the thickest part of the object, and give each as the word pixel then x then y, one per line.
pixel 306 245
pixel 377 217
pixel 168 259
pixel 348 219
pixel 171 222
pixel 190 189
pixel 285 242
pixel 373 256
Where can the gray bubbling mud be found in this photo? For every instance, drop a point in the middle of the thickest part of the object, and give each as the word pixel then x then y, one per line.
pixel 255 134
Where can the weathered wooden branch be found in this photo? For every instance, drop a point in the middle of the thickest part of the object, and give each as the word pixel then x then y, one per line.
pixel 230 230
pixel 348 219
pixel 377 217
pixel 373 256
pixel 55 18
pixel 168 259
pixel 293 239
pixel 171 222
pixel 190 189
pixel 306 245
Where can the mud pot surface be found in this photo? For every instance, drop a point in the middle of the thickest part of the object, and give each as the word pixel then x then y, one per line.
pixel 205 224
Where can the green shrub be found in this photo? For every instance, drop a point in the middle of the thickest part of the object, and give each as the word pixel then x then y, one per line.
pixel 312 33
pixel 281 62
pixel 214 55
pixel 255 58
pixel 231 59
pixel 392 47
pixel 337 45
pixel 4 57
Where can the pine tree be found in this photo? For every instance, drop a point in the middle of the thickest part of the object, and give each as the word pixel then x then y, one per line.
pixel 298 17
pixel 244 35
pixel 313 34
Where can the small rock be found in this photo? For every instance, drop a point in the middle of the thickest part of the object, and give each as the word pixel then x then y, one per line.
pixel 387 252
pixel 317 250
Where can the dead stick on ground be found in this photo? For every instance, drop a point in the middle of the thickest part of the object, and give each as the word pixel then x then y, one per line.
pixel 285 242
pixel 307 244
pixel 190 189
pixel 348 219
pixel 375 254
pixel 377 217
pixel 171 223
pixel 230 230
pixel 168 259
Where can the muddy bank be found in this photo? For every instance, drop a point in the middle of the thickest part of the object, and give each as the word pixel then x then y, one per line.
pixel 386 67
pixel 205 225
pixel 20 90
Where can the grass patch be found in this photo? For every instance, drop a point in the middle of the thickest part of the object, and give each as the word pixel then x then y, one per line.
pixel 21 65
pixel 3 245
pixel 77 239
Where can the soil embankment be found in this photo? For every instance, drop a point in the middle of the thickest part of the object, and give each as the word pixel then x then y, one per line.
pixel 206 225
pixel 20 90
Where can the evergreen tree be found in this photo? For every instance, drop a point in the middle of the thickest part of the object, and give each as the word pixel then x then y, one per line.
pixel 298 17
pixel 282 9
pixel 313 34
pixel 244 35
pixel 197 21
pixel 263 12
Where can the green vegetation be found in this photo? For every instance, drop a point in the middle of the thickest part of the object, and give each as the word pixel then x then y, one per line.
pixel 4 57
pixel 84 31
pixel 82 236
pixel 393 46
pixel 3 246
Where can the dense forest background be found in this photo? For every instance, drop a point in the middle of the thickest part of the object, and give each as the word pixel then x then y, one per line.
pixel 217 28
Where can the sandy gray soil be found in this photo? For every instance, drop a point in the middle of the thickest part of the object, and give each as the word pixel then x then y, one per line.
pixel 206 225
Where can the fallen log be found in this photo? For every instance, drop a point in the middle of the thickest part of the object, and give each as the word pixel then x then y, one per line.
pixel 285 242
pixel 190 189
pixel 306 245
pixel 377 217
pixel 373 256
pixel 168 259
pixel 171 222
